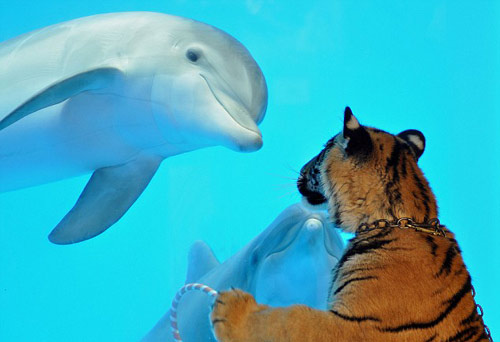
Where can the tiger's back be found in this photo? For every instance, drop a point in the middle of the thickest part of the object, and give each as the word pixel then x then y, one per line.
pixel 404 285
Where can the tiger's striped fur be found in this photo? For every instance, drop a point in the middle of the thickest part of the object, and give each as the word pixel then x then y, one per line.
pixel 391 284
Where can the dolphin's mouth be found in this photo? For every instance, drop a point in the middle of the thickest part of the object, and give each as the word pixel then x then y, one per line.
pixel 237 112
pixel 292 235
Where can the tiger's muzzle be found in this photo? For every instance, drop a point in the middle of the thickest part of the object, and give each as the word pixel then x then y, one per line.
pixel 309 181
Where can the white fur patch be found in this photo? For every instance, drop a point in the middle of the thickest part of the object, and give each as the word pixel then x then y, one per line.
pixel 415 139
pixel 352 123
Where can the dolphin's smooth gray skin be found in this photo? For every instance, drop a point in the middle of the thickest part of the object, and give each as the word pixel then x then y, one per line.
pixel 288 263
pixel 115 94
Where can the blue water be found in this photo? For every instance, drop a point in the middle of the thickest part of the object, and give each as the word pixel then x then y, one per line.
pixel 428 65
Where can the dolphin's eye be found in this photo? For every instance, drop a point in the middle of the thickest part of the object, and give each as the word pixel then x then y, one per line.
pixel 193 56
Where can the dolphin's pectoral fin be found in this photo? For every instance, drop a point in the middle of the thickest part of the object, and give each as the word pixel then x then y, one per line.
pixel 61 91
pixel 107 196
pixel 201 259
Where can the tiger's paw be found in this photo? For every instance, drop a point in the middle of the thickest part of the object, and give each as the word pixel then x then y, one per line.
pixel 230 314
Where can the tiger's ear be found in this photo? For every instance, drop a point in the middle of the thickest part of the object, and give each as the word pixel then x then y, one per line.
pixel 415 139
pixel 357 137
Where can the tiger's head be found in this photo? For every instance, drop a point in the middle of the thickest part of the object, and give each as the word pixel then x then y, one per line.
pixel 365 174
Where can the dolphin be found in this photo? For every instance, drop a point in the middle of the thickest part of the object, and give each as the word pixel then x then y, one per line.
pixel 115 94
pixel 288 263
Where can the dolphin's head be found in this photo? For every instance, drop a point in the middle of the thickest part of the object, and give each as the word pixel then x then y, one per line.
pixel 212 90
pixel 293 261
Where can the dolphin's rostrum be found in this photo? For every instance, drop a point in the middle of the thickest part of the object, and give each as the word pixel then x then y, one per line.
pixel 115 94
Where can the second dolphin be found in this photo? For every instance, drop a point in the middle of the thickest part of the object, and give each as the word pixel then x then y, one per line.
pixel 288 263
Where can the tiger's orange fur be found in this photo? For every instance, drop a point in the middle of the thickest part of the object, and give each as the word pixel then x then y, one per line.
pixel 391 284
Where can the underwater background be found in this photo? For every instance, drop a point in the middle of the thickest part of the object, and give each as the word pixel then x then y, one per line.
pixel 427 65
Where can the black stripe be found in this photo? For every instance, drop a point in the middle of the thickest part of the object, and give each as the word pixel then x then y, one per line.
pixel 483 337
pixel 351 271
pixel 431 338
pixel 452 304
pixel 432 243
pixel 439 291
pixel 361 237
pixel 392 190
pixel 362 249
pixel 341 287
pixel 451 254
pixel 392 161
pixel 424 188
pixel 471 318
pixel 334 278
pixel 399 249
pixel 464 335
pixel 404 172
pixel 418 204
pixel 355 318
pixel 337 220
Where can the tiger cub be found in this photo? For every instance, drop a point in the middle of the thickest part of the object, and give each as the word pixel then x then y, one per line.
pixel 401 281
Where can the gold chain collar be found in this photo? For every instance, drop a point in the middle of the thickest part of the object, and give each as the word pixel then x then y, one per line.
pixel 433 226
